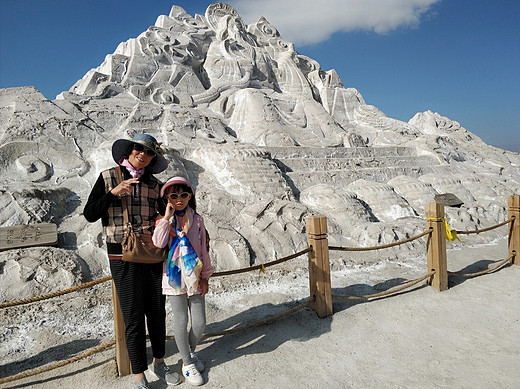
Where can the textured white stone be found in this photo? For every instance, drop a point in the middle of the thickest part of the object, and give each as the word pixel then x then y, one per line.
pixel 267 136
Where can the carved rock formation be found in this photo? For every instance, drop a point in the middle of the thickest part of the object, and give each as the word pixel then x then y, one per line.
pixel 266 135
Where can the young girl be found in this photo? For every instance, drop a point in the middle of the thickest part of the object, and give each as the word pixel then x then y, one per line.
pixel 186 271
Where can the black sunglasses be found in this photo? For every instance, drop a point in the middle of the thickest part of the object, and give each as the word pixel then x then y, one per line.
pixel 140 148
pixel 174 196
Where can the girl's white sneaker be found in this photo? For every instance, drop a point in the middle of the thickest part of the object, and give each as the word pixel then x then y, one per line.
pixel 192 375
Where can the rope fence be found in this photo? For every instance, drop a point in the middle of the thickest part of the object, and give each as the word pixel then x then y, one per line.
pixel 111 343
pixel 108 278
pixel 262 266
pixel 510 220
pixel 259 323
pixel 55 294
pixel 383 246
pixel 490 270
pixel 53 366
pixel 321 297
pixel 395 290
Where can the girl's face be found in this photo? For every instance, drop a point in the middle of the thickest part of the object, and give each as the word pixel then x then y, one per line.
pixel 178 198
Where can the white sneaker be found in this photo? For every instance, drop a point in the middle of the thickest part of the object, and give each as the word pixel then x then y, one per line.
pixel 198 363
pixel 192 375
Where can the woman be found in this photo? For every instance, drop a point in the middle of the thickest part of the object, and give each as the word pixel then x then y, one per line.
pixel 138 285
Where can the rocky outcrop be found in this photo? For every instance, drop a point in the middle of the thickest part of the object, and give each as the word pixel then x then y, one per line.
pixel 266 134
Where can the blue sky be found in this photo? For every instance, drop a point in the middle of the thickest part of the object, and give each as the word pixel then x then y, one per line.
pixel 460 58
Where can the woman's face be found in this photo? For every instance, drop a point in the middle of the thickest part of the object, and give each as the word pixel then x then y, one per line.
pixel 140 156
pixel 178 197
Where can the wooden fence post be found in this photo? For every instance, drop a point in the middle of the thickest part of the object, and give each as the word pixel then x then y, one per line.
pixel 513 203
pixel 122 358
pixel 319 267
pixel 436 246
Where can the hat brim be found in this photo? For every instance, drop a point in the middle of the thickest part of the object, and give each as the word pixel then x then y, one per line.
pixel 121 146
pixel 176 180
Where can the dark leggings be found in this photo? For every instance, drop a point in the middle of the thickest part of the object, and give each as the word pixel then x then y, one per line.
pixel 138 287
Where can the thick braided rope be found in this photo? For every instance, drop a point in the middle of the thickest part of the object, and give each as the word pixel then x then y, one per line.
pixel 43 369
pixel 384 246
pixel 386 292
pixel 258 323
pixel 490 270
pixel 261 266
pixel 485 229
pixel 55 294
pixel 107 278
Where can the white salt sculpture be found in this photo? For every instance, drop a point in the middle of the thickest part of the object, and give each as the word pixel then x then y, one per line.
pixel 266 135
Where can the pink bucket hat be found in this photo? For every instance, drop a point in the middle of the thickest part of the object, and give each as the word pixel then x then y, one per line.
pixel 176 180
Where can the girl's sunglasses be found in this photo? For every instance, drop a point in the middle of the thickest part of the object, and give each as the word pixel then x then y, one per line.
pixel 140 148
pixel 183 195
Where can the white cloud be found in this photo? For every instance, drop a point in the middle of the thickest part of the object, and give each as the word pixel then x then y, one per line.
pixel 310 21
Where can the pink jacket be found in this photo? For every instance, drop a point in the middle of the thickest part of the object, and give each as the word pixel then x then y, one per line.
pixel 197 237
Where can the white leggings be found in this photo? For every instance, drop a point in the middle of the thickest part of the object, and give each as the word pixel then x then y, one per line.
pixel 186 342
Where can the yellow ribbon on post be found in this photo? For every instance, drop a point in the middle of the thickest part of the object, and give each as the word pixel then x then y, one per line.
pixel 450 235
pixel 262 269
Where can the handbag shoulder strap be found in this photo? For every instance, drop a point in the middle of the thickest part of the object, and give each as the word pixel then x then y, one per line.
pixel 123 198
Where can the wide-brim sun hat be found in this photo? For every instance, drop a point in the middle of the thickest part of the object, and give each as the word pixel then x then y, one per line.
pixel 121 146
pixel 177 180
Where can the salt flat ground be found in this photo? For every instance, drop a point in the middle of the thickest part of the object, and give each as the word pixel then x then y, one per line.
pixel 465 337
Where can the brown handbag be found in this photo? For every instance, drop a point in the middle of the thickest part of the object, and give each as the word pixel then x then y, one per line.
pixel 138 247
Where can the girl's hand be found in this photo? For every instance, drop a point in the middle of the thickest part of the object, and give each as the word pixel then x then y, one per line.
pixel 203 286
pixel 124 187
pixel 169 212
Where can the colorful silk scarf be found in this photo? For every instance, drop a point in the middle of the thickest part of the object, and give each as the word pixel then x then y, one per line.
pixel 183 266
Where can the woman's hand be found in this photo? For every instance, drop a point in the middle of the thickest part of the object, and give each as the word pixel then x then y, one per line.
pixel 124 187
pixel 203 286
pixel 168 213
